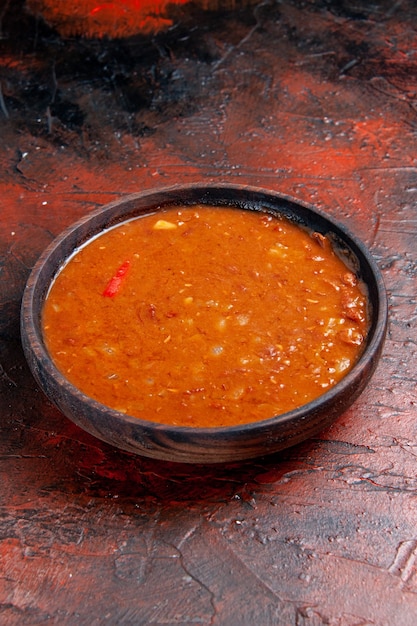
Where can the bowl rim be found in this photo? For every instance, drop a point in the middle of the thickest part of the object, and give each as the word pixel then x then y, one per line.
pixel 33 339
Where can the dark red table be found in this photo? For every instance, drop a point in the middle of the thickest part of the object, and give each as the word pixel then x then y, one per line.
pixel 314 99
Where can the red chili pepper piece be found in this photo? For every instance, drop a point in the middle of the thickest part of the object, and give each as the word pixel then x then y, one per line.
pixel 115 282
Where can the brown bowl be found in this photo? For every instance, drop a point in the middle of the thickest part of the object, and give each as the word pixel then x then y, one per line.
pixel 200 445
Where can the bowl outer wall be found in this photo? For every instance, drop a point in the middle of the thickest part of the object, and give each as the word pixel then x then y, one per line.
pixel 205 445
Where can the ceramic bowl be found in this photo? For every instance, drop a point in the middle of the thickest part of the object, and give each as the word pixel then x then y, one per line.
pixel 200 445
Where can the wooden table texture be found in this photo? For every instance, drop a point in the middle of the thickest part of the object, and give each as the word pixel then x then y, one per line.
pixel 317 100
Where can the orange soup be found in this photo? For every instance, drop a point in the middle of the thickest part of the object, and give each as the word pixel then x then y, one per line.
pixel 205 317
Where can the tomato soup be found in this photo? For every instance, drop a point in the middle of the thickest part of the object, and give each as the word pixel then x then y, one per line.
pixel 205 316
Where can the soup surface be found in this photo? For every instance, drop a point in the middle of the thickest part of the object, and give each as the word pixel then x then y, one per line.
pixel 205 316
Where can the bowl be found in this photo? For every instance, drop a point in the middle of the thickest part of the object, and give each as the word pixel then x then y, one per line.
pixel 186 444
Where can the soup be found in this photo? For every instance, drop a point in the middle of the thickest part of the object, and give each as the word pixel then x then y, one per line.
pixel 205 316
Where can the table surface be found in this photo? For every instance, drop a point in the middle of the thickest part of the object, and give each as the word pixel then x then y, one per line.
pixel 317 100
